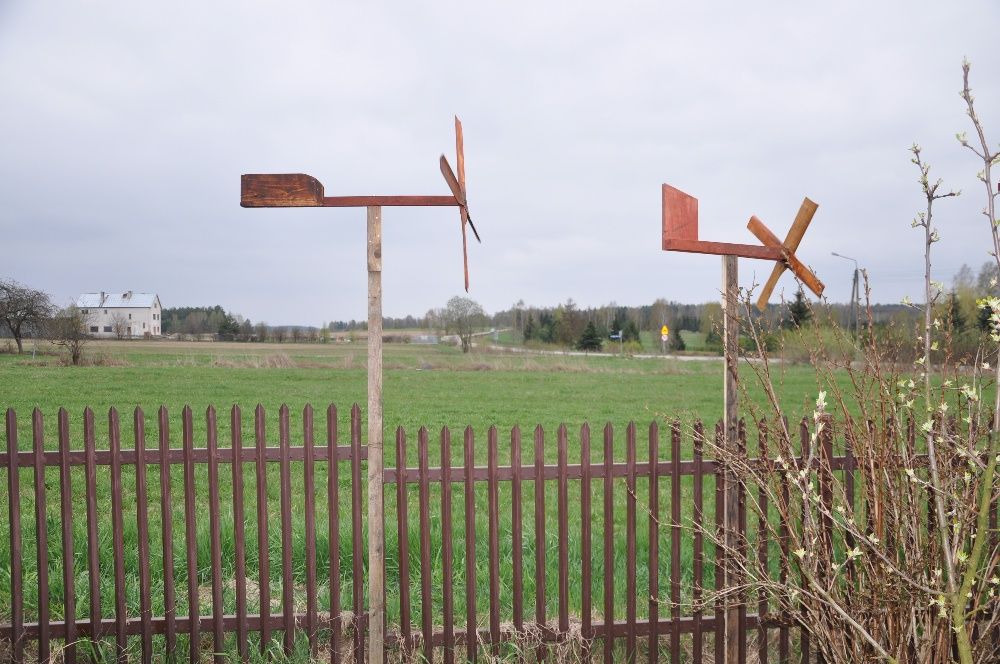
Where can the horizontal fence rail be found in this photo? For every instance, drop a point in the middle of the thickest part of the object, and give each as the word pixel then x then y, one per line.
pixel 525 547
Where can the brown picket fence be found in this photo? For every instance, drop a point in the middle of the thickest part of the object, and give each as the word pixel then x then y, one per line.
pixel 55 620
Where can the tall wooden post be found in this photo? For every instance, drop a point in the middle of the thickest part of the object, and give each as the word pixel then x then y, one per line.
pixel 731 340
pixel 376 522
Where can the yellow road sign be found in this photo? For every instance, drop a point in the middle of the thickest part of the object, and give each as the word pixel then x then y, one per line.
pixel 664 330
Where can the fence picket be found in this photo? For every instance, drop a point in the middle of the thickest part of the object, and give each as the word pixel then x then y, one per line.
pixel 471 631
pixel 142 526
pixel 167 532
pixel 630 544
pixel 517 535
pixel 309 480
pixel 699 524
pixel 239 533
pixel 214 537
pixel 66 511
pixel 333 500
pixel 654 544
pixel 675 541
pixel 426 600
pixel 41 535
pixel 117 537
pixel 93 561
pixel 263 536
pixel 540 619
pixel 190 537
pixel 447 552
pixel 586 535
pixel 762 544
pixel 720 555
pixel 609 576
pixel 285 489
pixel 403 537
pixel 16 561
pixel 804 644
pixel 494 542
pixel 357 548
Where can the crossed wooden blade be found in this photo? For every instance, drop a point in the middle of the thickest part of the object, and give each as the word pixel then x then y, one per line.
pixel 457 186
pixel 787 248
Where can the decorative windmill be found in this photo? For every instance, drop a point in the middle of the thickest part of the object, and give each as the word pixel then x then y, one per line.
pixel 300 190
pixel 680 233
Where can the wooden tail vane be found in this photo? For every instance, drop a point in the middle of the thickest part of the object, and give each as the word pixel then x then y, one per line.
pixel 680 233
pixel 300 190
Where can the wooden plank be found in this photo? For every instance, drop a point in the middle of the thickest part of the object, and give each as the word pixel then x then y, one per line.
pixel 540 544
pixel 722 618
pixel 309 480
pixel 285 493
pixel 66 511
pixel 494 542
pixel 376 510
pixel 735 572
pixel 517 535
pixel 723 249
pixel 239 533
pixel 804 274
pixel 805 647
pixel 357 576
pixel 117 538
pixel 586 534
pixel 142 525
pixel 630 544
pixel 90 488
pixel 215 535
pixel 41 536
pixel 16 552
pixel 447 549
pixel 167 531
pixel 654 544
pixel 263 534
pixel 390 201
pixel 698 555
pixel 280 190
pixel 762 545
pixel 784 637
pixel 403 537
pixel 609 536
pixel 470 545
pixel 791 243
pixel 563 542
pixel 426 598
pixel 191 538
pixel 333 503
pixel 675 541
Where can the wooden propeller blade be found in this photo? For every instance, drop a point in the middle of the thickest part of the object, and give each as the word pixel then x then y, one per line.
pixel 769 239
pixel 465 247
pixel 453 184
pixel 460 152
pixel 802 220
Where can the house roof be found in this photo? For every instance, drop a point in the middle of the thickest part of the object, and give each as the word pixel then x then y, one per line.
pixel 116 300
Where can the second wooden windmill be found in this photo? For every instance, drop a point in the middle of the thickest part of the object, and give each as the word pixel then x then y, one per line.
pixel 300 190
pixel 680 233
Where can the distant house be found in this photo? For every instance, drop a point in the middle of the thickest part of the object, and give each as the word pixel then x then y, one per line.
pixel 125 315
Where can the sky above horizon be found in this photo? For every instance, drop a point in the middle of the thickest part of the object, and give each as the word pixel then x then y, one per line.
pixel 125 128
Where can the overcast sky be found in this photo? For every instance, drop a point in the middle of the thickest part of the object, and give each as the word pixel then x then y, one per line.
pixel 125 129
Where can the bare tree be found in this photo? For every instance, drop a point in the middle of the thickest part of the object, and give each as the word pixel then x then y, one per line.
pixel 463 316
pixel 23 309
pixel 68 329
pixel 119 325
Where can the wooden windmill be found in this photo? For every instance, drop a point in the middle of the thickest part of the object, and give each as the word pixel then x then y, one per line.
pixel 680 233
pixel 300 190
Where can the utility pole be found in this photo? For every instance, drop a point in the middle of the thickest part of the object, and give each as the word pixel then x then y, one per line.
pixel 855 296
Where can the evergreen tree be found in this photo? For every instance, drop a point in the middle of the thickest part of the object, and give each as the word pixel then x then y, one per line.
pixel 529 328
pixel 676 341
pixel 590 339
pixel 630 332
pixel 798 311
pixel 956 319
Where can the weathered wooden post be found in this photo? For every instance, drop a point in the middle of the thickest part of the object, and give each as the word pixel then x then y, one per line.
pixel 299 190
pixel 680 233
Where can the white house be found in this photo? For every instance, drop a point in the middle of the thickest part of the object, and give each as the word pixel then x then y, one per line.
pixel 121 315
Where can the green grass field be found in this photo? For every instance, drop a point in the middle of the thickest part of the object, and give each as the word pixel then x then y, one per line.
pixel 424 386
